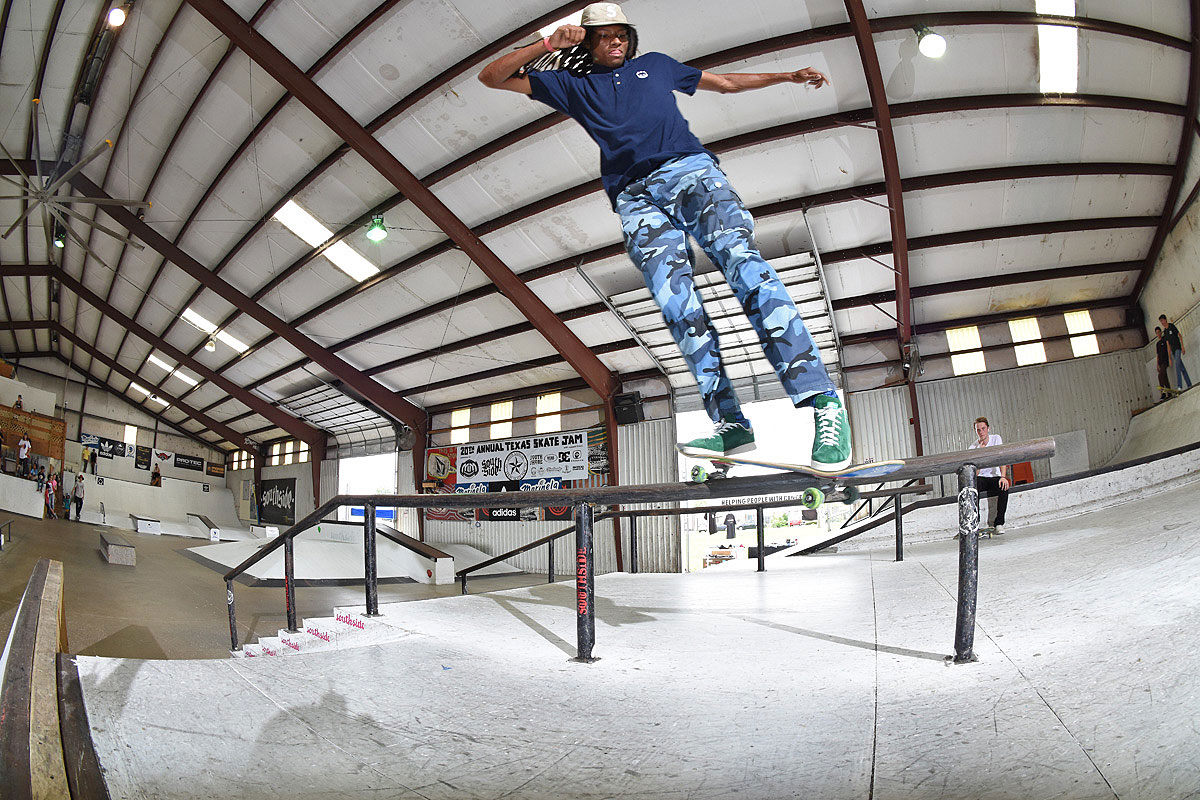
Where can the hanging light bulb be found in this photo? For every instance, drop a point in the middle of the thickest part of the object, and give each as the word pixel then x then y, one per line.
pixel 377 231
pixel 211 345
pixel 116 17
pixel 60 238
pixel 931 45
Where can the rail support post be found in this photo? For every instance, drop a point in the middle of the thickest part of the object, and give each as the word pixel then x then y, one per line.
pixel 633 548
pixel 549 564
pixel 233 637
pixel 968 564
pixel 371 570
pixel 762 539
pixel 585 588
pixel 289 582
pixel 900 527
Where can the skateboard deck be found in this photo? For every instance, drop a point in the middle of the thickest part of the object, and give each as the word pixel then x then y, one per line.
pixel 1168 392
pixel 813 497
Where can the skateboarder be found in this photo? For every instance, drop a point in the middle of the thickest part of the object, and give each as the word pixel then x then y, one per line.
pixel 1163 354
pixel 665 186
pixel 1178 351
pixel 992 481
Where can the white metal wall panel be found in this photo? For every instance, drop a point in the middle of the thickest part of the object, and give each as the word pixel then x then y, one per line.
pixel 499 537
pixel 329 479
pixel 647 455
pixel 1096 394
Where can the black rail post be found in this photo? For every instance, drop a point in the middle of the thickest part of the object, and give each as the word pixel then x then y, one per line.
pixel 633 548
pixel 549 564
pixel 585 587
pixel 289 582
pixel 899 528
pixel 463 578
pixel 233 637
pixel 762 540
pixel 372 568
pixel 968 564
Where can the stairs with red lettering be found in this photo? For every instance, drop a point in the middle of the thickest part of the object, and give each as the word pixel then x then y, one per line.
pixel 348 627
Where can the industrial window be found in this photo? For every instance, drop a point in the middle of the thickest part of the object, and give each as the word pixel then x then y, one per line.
pixel 302 453
pixel 1083 341
pixel 1027 330
pixel 1058 49
pixel 460 418
pixel 131 435
pixel 967 352
pixel 502 419
pixel 242 460
pixel 548 418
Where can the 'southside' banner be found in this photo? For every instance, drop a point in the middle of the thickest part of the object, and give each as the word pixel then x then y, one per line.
pixel 277 501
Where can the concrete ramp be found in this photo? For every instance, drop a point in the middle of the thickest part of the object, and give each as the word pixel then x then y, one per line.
pixel 1166 426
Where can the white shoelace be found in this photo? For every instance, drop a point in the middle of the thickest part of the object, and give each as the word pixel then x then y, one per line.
pixel 827 425
pixel 726 427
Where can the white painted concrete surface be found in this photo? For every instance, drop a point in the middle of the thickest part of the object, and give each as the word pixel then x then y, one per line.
pixel 170 503
pixel 1168 425
pixel 822 678
pixel 20 496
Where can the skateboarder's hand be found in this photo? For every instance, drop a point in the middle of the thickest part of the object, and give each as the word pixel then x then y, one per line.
pixel 1004 484
pixel 567 36
pixel 809 76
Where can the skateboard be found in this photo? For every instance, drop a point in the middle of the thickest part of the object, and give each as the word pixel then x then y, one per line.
pixel 1167 392
pixel 988 532
pixel 811 497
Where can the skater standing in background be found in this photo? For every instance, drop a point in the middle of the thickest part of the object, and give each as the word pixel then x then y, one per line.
pixel 1178 351
pixel 992 481
pixel 1163 353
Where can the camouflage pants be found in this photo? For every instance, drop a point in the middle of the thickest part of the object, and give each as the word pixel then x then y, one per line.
pixel 691 195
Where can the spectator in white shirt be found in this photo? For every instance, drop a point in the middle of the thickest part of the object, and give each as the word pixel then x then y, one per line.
pixel 23 449
pixel 992 481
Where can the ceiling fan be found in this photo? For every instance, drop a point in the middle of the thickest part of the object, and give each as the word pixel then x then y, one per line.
pixel 45 192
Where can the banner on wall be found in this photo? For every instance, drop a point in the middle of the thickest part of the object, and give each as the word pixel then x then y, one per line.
pixel 277 502
pixel 188 462
pixel 524 464
pixel 141 457
pixel 216 470
pixel 161 457
pixel 107 448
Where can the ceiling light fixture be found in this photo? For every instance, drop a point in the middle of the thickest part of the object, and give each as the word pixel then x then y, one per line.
pixel 211 345
pixel 60 237
pixel 931 45
pixel 116 17
pixel 377 231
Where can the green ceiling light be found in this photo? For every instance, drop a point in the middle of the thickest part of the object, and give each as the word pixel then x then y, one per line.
pixel 377 231
pixel 60 238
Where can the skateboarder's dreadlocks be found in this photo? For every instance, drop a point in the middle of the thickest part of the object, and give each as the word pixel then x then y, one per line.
pixel 667 187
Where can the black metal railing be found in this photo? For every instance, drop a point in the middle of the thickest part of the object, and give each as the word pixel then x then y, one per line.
pixel 585 499
pixel 5 526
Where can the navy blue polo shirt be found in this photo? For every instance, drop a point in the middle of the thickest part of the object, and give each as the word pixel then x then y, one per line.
pixel 629 111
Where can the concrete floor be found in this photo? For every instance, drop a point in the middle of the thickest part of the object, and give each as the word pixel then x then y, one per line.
pixel 822 678
pixel 168 606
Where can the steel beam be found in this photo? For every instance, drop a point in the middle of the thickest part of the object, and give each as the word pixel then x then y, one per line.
pixel 1186 145
pixel 391 403
pixel 218 428
pixel 304 89
pixel 296 427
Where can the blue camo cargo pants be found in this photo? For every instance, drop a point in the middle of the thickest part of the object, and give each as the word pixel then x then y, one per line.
pixel 691 195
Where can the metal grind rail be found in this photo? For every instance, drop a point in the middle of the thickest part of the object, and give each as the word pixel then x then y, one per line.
pixel 964 463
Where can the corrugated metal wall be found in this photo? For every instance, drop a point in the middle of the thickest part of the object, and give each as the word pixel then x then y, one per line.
pixel 1097 394
pixel 647 455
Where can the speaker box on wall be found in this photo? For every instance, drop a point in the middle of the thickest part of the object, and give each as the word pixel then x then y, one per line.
pixel 627 408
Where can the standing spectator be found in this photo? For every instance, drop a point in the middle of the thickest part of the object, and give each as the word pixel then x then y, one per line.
pixel 1163 350
pixel 41 478
pixel 1178 351
pixel 155 476
pixel 994 481
pixel 20 404
pixel 79 490
pixel 51 486
pixel 23 448
pixel 92 456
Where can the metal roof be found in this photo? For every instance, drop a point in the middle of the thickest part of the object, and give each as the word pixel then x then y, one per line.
pixel 953 185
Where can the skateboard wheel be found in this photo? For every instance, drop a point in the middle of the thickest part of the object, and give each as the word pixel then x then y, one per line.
pixel 812 498
pixel 699 474
pixel 850 495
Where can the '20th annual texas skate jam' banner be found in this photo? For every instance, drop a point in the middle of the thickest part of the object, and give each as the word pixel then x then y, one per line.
pixel 523 464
